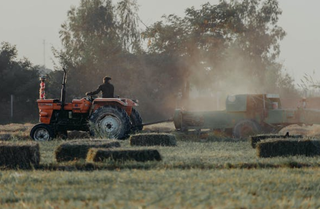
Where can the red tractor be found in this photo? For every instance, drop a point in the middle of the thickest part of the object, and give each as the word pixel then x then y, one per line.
pixel 104 117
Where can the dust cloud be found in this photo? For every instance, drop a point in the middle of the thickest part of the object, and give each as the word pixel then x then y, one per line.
pixel 211 82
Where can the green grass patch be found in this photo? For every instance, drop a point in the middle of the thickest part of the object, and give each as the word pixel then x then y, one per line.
pixel 235 188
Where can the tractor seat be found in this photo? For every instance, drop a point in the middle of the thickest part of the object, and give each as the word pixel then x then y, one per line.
pixel 77 101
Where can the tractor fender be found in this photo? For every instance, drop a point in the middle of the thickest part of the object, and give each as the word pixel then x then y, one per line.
pixel 124 103
pixel 115 101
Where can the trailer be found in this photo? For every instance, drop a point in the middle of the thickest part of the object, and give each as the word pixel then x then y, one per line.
pixel 247 114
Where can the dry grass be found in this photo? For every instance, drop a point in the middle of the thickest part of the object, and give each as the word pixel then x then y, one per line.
pixel 288 147
pixel 15 127
pixel 15 131
pixel 23 155
pixel 22 131
pixel 78 135
pixel 159 128
pixel 140 155
pixel 313 130
pixel 153 139
pixel 76 150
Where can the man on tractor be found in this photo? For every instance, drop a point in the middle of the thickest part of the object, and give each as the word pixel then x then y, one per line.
pixel 107 89
pixel 103 117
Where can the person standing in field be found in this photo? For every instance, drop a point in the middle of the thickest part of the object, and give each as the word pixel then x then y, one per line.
pixel 107 89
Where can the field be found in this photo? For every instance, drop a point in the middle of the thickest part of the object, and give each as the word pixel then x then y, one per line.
pixel 207 171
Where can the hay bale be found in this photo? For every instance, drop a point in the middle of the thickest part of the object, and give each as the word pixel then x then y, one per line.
pixel 75 150
pixel 153 139
pixel 288 147
pixel 19 155
pixel 140 155
pixel 254 140
pixel 5 137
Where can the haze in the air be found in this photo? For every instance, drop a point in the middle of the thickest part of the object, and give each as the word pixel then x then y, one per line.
pixel 33 26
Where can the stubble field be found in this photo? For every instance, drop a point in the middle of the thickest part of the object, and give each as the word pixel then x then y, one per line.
pixel 201 172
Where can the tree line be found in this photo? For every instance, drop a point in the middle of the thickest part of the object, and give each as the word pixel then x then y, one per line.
pixel 230 47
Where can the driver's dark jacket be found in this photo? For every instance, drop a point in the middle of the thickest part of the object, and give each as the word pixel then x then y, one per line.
pixel 107 90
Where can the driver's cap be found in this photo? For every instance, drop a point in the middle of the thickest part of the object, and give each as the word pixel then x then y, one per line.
pixel 107 78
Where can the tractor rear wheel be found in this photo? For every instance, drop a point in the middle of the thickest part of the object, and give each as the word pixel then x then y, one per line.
pixel 110 122
pixel 245 128
pixel 42 132
pixel 136 121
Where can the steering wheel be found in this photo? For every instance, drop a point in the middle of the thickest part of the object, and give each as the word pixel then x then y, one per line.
pixel 90 97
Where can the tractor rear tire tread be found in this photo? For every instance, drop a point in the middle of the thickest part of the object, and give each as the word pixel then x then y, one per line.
pixel 136 121
pixel 119 113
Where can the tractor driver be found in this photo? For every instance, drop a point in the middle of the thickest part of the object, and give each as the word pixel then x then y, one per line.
pixel 106 88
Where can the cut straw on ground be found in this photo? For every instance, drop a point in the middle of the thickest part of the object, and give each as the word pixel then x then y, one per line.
pixel 155 139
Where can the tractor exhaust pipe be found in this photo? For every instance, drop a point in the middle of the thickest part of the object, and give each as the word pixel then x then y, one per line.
pixel 42 91
pixel 63 89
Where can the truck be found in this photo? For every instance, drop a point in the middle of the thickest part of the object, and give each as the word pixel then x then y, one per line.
pixel 245 115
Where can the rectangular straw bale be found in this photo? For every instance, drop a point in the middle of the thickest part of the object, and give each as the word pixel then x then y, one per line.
pixel 153 139
pixel 5 137
pixel 288 147
pixel 140 155
pixel 75 150
pixel 257 138
pixel 22 155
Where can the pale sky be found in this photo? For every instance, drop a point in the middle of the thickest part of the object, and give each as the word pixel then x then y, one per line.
pixel 27 24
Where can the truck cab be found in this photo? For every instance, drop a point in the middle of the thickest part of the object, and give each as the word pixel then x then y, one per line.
pixel 252 102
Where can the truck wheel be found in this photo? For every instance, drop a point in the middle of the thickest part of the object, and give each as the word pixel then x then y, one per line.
pixel 42 132
pixel 136 121
pixel 245 128
pixel 111 122
pixel 228 131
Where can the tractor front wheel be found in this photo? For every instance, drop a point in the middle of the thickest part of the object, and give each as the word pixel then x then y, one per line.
pixel 110 122
pixel 42 132
pixel 245 128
